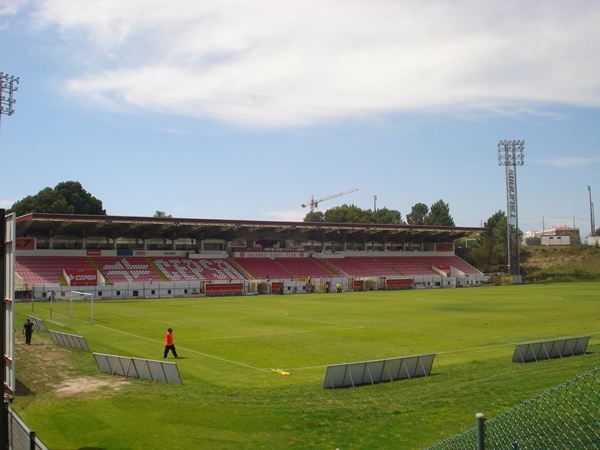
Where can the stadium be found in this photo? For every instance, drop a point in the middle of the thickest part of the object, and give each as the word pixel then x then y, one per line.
pixel 116 257
pixel 122 332
pixel 393 359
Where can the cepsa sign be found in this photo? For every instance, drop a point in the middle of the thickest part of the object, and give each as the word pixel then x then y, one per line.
pixel 82 277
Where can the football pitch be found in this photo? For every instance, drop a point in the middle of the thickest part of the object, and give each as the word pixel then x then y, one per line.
pixel 230 348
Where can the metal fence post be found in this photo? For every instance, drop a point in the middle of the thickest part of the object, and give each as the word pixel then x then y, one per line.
pixel 32 440
pixel 480 431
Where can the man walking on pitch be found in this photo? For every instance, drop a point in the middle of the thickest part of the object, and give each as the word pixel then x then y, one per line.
pixel 28 331
pixel 169 345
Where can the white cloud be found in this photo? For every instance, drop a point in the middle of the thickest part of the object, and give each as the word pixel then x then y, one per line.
pixel 272 63
pixel 11 7
pixel 569 162
pixel 287 216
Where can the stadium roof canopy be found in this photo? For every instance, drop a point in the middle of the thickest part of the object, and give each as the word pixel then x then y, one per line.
pixel 114 227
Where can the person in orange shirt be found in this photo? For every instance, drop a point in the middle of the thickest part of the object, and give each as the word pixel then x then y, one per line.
pixel 169 345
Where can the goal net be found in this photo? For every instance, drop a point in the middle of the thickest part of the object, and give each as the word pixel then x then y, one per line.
pixel 71 307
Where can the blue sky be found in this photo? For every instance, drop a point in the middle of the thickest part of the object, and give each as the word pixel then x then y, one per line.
pixel 245 109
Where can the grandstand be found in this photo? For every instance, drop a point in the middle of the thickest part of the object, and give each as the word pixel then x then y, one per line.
pixel 124 257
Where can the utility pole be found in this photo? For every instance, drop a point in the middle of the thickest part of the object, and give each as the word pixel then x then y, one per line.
pixel 8 86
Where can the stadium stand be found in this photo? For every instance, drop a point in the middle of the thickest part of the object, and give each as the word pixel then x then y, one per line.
pixel 48 269
pixel 265 268
pixel 407 266
pixel 116 257
pixel 363 266
pixel 127 269
pixel 183 269
pixel 444 263
pixel 305 267
pixel 120 269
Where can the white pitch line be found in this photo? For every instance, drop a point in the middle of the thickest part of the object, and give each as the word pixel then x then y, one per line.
pixel 184 348
pixel 137 317
pixel 511 343
pixel 442 353
pixel 244 336
pixel 287 316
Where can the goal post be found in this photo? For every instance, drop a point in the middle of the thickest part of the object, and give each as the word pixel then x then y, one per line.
pixel 86 296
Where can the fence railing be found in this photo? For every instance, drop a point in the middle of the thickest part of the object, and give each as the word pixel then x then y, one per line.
pixel 20 437
pixel 563 417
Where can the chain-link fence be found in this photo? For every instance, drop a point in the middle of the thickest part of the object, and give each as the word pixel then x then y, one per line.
pixel 563 417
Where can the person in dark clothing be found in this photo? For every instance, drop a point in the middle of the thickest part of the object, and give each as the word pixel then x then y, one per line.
pixel 28 331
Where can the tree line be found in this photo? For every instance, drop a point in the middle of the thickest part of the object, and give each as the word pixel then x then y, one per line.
pixel 436 215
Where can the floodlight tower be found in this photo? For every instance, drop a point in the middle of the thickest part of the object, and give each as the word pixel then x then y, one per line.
pixel 592 222
pixel 510 155
pixel 8 86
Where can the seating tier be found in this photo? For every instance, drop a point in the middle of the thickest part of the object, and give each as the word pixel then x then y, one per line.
pixel 407 266
pixel 305 267
pixel 47 269
pixel 445 262
pixel 264 268
pixel 184 269
pixel 363 266
pixel 127 269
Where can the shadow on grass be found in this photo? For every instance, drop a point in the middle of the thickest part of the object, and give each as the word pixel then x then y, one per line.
pixel 22 390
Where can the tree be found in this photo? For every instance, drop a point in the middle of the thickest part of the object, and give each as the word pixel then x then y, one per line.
pixel 439 214
pixel 162 214
pixel 490 252
pixel 315 216
pixel 417 214
pixel 387 216
pixel 348 214
pixel 354 214
pixel 67 197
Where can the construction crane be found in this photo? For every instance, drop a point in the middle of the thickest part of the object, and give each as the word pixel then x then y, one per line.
pixel 314 203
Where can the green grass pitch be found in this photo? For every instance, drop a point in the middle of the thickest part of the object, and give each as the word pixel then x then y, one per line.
pixel 231 397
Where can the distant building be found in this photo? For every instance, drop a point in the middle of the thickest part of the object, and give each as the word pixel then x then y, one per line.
pixel 593 240
pixel 562 235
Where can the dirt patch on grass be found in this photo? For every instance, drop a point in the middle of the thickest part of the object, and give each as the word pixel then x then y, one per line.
pixel 43 367
pixel 88 385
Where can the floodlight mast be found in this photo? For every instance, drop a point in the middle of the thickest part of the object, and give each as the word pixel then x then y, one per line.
pixel 9 86
pixel 3 410
pixel 7 89
pixel 510 155
pixel 592 221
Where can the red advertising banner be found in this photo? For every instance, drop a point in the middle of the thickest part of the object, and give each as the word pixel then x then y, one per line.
pixel 273 255
pixel 399 284
pixel 25 244
pixel 81 277
pixel 93 252
pixel 444 247
pixel 223 289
